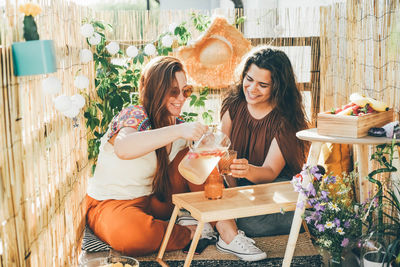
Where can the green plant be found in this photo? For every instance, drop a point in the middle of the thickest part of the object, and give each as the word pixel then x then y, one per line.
pixel 384 156
pixel 30 29
pixel 117 84
pixel 198 103
pixel 378 230
pixel 392 229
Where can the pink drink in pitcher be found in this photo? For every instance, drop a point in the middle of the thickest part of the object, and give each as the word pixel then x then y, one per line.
pixel 203 156
pixel 197 166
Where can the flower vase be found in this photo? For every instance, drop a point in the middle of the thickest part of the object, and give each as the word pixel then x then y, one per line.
pixel 335 260
pixel 373 259
pixel 34 57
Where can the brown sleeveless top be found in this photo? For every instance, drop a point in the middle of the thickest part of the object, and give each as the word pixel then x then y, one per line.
pixel 251 138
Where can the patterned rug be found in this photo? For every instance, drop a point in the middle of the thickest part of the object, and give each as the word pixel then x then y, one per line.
pixel 305 255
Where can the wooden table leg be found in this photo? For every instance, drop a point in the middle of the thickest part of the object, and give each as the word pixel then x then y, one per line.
pixel 167 235
pixel 312 159
pixel 363 183
pixel 193 246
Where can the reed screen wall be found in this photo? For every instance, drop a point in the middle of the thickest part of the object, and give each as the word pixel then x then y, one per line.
pixel 43 157
pixel 360 52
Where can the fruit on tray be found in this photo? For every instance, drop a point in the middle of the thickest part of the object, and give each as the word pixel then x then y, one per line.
pixel 360 105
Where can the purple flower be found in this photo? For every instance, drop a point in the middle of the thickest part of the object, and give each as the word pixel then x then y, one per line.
pixel 337 222
pixel 311 190
pixel 346 224
pixel 324 195
pixel 375 201
pixel 345 242
pixel 316 215
pixel 300 204
pixel 297 187
pixel 320 227
pixel 330 179
pixel 315 172
pixel 319 207
pixel 309 219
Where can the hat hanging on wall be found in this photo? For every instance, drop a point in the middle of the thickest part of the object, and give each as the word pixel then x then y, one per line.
pixel 212 59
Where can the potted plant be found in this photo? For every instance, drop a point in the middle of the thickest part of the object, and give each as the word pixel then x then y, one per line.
pixel 393 227
pixel 381 243
pixel 33 56
pixel 333 216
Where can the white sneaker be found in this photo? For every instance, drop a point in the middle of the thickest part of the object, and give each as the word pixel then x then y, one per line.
pixel 208 231
pixel 243 247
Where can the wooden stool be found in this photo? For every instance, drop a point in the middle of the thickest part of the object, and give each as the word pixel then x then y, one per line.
pixel 361 146
pixel 236 202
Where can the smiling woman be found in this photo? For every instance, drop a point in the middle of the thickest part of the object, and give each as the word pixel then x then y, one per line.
pixel 137 165
pixel 261 116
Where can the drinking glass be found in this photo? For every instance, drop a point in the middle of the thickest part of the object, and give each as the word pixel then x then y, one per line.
pixel 225 162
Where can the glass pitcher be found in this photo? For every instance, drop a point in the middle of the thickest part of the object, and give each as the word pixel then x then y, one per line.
pixel 203 156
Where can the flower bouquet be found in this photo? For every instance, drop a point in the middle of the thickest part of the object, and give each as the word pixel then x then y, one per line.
pixel 333 217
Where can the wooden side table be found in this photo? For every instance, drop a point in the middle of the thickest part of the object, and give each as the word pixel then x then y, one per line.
pixel 361 146
pixel 236 202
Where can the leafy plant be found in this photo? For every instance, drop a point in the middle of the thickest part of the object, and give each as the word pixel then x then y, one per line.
pixel 378 230
pixel 117 84
pixel 198 103
pixel 392 229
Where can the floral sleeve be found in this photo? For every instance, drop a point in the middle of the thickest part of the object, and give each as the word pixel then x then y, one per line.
pixel 132 116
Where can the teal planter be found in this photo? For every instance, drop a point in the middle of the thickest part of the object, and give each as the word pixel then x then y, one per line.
pixel 34 57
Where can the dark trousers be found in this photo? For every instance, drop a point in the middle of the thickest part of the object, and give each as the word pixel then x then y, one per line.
pixel 267 225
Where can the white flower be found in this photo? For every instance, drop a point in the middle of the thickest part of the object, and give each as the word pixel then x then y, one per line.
pixel 85 55
pixel 150 49
pixel 333 206
pixel 78 101
pixel 51 85
pixel 72 112
pixel 132 51
pixel 87 30
pixel 172 27
pixel 329 225
pixel 327 243
pixel 340 231
pixel 95 39
pixel 167 41
pixel 62 103
pixel 81 82
pixel 112 48
pixel 279 30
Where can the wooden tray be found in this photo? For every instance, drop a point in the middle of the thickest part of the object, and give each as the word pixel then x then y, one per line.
pixel 351 126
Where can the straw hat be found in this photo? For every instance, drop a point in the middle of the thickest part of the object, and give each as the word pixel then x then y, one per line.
pixel 212 59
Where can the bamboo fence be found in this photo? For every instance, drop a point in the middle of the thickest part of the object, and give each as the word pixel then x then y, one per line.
pixel 43 157
pixel 360 52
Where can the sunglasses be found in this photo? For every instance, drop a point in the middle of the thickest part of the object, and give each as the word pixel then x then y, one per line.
pixel 186 91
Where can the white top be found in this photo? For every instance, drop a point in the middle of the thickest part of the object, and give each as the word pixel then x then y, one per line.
pixel 119 179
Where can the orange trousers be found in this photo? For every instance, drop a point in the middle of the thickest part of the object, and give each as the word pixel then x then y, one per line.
pixel 136 227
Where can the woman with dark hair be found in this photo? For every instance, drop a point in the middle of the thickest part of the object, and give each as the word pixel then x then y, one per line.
pixel 261 116
pixel 129 197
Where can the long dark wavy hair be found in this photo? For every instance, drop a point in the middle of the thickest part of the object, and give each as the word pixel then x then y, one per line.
pixel 155 86
pixel 285 96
